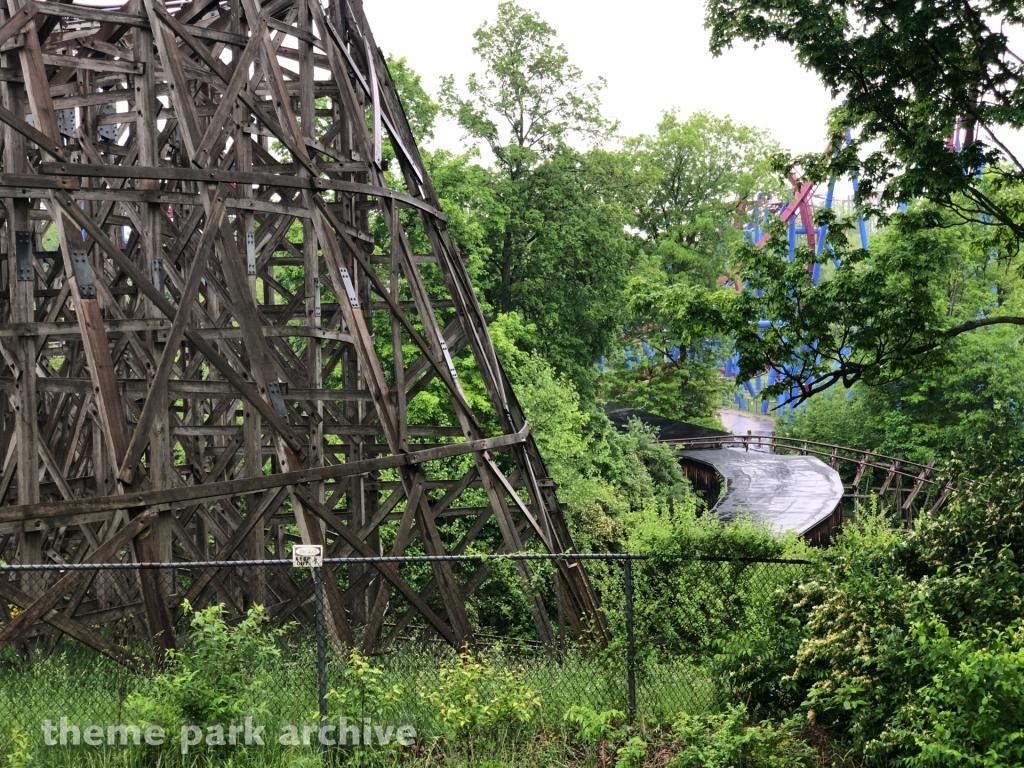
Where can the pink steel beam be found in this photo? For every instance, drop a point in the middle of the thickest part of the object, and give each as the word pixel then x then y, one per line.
pixel 801 203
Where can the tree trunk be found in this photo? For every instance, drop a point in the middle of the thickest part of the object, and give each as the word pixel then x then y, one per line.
pixel 506 272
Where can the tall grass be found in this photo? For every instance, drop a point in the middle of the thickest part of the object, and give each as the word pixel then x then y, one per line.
pixel 89 690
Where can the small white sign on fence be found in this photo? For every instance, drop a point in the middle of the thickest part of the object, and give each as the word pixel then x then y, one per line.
pixel 307 556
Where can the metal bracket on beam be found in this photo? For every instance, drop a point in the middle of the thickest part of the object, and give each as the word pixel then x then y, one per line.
pixel 24 257
pixel 250 252
pixel 83 274
pixel 277 400
pixel 66 122
pixel 350 289
pixel 448 360
pixel 107 132
pixel 158 274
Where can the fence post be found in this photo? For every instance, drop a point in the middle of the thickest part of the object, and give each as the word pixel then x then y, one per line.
pixel 627 576
pixel 312 557
pixel 321 644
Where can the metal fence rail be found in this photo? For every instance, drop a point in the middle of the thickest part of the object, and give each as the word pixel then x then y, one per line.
pixel 91 660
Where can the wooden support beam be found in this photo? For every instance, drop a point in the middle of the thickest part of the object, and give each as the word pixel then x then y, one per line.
pixel 45 602
pixel 892 474
pixel 182 496
pixel 184 324
pixel 68 626
pixel 908 503
pixel 157 398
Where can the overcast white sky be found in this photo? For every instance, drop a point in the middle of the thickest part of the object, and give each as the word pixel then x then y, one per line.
pixel 654 58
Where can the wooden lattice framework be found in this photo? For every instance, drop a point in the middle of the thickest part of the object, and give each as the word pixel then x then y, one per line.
pixel 166 396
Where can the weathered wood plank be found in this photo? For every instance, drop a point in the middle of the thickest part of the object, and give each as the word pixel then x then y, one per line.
pixel 217 175
pixel 155 400
pixel 45 602
pixel 179 496
pixel 73 628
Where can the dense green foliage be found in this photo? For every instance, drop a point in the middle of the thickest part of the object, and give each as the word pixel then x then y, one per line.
pixel 906 647
pixel 913 643
pixel 964 392
pixel 895 310
pixel 563 218
pixel 910 75
pixel 692 182
pixel 553 244
pixel 610 482
pixel 216 678
pixel 907 74
pixel 729 739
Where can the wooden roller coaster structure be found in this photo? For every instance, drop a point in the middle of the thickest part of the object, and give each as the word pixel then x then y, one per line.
pixel 207 354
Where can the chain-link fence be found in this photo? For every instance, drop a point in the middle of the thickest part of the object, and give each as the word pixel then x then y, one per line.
pixel 262 647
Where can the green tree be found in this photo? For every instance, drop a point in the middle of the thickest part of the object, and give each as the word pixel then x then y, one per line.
pixel 671 370
pixel 973 401
pixel 571 259
pixel 609 482
pixel 908 74
pixel 693 183
pixel 555 247
pixel 420 108
pixel 696 179
pixel 530 99
pixel 886 313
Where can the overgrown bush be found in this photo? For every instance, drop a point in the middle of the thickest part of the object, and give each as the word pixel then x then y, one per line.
pixel 18 751
pixel 476 703
pixel 361 697
pixel 607 480
pixel 219 677
pixel 755 664
pixel 685 607
pixel 606 733
pixel 729 740
pixel 913 644
pixel 360 692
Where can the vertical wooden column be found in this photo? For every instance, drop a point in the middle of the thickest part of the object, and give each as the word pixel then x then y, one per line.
pixel 311 257
pixel 103 469
pixel 150 240
pixel 252 422
pixel 350 378
pixel 154 544
pixel 22 293
pixel 6 414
